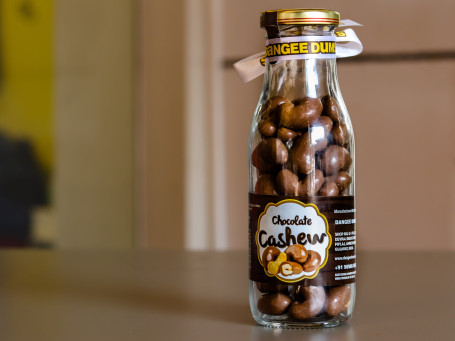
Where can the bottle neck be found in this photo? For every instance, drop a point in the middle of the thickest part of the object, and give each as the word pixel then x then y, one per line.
pixel 302 77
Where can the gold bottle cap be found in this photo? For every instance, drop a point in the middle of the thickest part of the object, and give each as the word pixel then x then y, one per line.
pixel 302 16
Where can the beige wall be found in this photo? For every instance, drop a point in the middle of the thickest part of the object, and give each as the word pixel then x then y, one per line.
pixel 181 192
pixel 94 123
pixel 402 113
pixel 189 155
pixel 160 125
pixel 405 163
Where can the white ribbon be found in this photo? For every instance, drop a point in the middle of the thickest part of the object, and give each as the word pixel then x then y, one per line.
pixel 347 45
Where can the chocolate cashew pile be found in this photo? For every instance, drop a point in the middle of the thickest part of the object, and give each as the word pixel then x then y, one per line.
pixel 303 150
pixel 303 302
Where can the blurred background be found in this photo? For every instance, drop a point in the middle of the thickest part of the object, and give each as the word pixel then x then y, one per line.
pixel 124 125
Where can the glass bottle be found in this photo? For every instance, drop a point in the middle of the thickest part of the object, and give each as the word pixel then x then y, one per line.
pixel 301 179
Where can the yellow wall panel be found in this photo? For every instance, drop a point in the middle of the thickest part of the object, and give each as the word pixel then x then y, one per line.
pixel 26 64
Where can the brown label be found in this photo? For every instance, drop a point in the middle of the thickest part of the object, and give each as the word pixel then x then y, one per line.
pixel 301 239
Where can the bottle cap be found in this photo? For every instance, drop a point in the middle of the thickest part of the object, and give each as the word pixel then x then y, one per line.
pixel 302 16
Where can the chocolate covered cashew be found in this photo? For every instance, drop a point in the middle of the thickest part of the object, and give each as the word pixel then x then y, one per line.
pixel 267 125
pixel 323 122
pixel 309 303
pixel 313 261
pixel 312 183
pixel 266 185
pixel 273 103
pixel 287 182
pixel 270 253
pixel 290 268
pixel 301 115
pixel 297 253
pixel 285 134
pixel 334 159
pixel 274 304
pixel 340 134
pixel 273 267
pixel 331 108
pixel 304 149
pixel 338 300
pixel 329 189
pixel 269 154
pixel 342 179
pixel 266 128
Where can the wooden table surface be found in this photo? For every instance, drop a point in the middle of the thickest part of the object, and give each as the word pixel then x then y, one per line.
pixel 165 295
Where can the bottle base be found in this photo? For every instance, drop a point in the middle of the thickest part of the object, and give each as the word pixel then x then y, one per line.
pixel 314 323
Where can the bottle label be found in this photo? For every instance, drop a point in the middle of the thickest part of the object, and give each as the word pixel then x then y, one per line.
pixel 310 240
pixel 300 48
